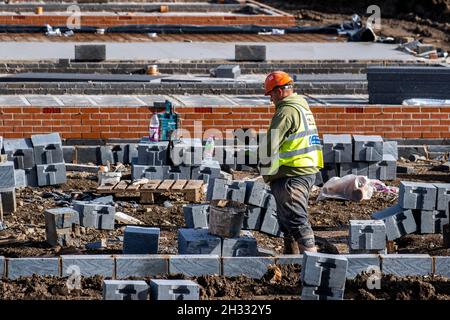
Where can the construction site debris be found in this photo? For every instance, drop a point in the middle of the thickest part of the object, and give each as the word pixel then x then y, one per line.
pixel 126 219
pixel 350 187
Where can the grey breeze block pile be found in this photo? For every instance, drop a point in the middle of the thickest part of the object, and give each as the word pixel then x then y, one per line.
pixel 261 206
pixel 35 161
pixel 421 207
pixel 182 160
pixel 368 156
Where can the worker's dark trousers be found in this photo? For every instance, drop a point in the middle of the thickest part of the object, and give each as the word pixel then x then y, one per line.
pixel 291 195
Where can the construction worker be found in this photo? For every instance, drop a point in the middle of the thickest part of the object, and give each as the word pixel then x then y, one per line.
pixel 293 157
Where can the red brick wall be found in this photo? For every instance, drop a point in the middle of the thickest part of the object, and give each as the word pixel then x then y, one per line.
pixel 107 21
pixel 132 122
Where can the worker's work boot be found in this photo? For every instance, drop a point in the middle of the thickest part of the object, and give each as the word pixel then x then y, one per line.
pixel 291 246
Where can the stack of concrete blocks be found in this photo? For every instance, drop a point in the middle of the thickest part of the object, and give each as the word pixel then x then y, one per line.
pixel 125 290
pixel 20 152
pixel 200 241
pixel 241 158
pixel 368 156
pixel 162 289
pixel 141 240
pixel 95 215
pixel 261 204
pixel 183 161
pixel 49 159
pixel 59 226
pixel 323 276
pixel 367 236
pixel 422 207
pixel 227 71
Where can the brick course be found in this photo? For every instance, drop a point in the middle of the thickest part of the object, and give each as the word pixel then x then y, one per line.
pixel 392 122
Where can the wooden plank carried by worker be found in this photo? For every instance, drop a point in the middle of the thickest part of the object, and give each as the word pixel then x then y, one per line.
pixel 179 185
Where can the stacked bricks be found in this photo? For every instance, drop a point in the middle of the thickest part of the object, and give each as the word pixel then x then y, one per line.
pixel 181 161
pixel 363 155
pixel 49 159
pixel 131 122
pixel 422 207
pixel 104 21
pixel 38 161
pixel 323 276
pixel 261 205
pixel 7 185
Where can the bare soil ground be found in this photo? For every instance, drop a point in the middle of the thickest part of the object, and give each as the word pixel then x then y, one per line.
pixel 26 231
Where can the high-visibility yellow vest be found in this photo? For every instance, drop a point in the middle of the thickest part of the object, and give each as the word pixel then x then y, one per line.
pixel 302 148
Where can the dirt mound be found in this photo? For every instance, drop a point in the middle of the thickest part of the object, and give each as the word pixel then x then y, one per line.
pixel 438 10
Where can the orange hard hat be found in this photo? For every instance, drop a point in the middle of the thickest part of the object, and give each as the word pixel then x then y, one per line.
pixel 276 79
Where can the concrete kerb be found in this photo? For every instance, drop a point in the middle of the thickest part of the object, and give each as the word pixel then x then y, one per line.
pixel 152 265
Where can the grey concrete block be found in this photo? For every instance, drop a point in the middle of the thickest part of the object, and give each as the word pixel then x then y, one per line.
pixel 95 215
pixel 337 148
pixel 131 153
pixel 391 148
pixel 359 263
pixel 118 153
pixel 2 267
pixel 149 172
pixel 443 196
pixel 62 217
pixel 187 152
pixel 125 290
pixel 367 235
pixel 198 241
pixel 68 154
pixel 315 293
pixel 89 265
pixel 20 177
pixel 324 270
pixel 442 266
pixel 367 148
pixel 87 154
pixel 417 195
pixel 250 53
pixel 227 71
pixel 7 177
pixel 270 224
pixel 221 189
pixel 432 221
pixel 244 246
pixel 8 200
pixel 105 155
pixel 356 168
pixel 177 173
pixel 91 53
pixel 25 267
pixel 51 174
pixel 398 221
pixel 48 154
pixel 289 259
pixel 141 265
pixel 140 240
pixel 20 151
pixel 31 177
pixel 407 264
pixel 208 170
pixel 162 289
pixel 194 265
pixel 385 169
pixel 330 170
pixel 196 215
pixel 153 154
pixel 252 267
pixel 42 140
pixel 256 193
pixel 253 218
